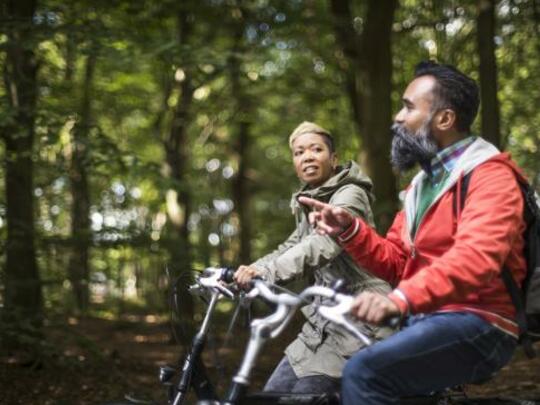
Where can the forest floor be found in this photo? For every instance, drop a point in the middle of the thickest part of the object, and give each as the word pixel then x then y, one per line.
pixel 92 361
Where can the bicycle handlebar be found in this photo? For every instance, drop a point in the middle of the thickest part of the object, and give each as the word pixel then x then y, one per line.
pixel 213 278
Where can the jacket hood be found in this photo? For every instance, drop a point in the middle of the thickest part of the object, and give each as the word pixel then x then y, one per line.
pixel 477 153
pixel 348 173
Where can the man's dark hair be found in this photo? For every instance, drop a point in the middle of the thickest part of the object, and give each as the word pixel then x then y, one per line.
pixel 453 90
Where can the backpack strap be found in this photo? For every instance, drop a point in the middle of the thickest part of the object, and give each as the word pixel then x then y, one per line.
pixel 516 294
pixel 465 180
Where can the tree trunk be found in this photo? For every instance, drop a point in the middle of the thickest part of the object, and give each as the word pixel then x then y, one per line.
pixel 369 85
pixel 78 268
pixel 488 72
pixel 241 191
pixel 23 295
pixel 176 148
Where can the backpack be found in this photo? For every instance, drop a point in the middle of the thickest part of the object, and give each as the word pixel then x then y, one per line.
pixel 527 298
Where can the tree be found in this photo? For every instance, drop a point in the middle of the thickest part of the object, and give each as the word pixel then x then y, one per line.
pixel 175 144
pixel 488 71
pixel 23 296
pixel 368 71
pixel 79 270
pixel 241 192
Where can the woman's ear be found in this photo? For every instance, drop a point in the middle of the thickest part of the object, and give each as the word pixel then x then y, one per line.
pixel 445 120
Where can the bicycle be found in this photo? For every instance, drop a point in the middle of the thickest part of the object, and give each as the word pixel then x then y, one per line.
pixel 192 372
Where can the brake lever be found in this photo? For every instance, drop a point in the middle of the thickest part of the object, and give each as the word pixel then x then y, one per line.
pixel 337 314
pixel 224 290
pixel 196 289
pixel 214 281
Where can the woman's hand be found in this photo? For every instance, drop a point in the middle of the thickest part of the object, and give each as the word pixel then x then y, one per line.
pixel 244 275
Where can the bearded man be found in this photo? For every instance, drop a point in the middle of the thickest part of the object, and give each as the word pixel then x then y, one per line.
pixel 443 261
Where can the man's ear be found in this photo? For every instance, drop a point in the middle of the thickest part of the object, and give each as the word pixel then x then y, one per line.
pixel 334 161
pixel 445 119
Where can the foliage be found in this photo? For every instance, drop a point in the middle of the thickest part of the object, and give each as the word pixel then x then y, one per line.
pixel 290 70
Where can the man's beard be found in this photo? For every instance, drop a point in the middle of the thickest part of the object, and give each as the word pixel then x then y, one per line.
pixel 410 148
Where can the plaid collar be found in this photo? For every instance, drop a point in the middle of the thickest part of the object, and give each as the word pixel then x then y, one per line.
pixel 446 159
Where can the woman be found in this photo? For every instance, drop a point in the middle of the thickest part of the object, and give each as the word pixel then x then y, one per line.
pixel 314 361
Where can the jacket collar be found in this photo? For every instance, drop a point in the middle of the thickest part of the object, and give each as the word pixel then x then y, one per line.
pixel 446 159
pixel 477 153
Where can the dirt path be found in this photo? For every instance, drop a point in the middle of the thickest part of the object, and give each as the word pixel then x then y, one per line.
pixel 103 360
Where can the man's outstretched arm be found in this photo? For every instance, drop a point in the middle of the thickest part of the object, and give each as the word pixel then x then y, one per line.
pixel 377 254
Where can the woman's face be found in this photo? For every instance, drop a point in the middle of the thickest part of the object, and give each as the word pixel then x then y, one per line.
pixel 313 160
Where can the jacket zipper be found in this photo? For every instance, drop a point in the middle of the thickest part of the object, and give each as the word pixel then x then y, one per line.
pixel 412 240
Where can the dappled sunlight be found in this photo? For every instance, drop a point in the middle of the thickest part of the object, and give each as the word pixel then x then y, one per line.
pixel 143 141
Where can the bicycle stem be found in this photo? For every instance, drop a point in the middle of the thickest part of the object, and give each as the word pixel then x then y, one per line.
pixel 196 349
pixel 261 331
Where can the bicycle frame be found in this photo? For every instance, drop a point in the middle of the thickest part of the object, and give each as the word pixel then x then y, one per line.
pixel 193 371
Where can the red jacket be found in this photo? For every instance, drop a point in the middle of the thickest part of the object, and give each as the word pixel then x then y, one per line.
pixel 455 260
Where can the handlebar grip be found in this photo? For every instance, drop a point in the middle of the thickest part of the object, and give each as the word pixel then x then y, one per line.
pixel 392 322
pixel 227 275
pixel 253 280
pixel 339 286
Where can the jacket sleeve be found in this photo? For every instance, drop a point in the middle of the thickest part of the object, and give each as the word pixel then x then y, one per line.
pixel 490 224
pixel 299 255
pixel 384 257
pixel 265 266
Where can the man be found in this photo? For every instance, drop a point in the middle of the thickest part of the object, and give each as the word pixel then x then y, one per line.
pixel 314 361
pixel 445 263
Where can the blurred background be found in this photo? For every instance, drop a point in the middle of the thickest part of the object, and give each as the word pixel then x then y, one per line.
pixel 142 140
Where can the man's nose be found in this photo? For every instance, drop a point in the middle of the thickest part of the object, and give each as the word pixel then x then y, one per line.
pixel 400 116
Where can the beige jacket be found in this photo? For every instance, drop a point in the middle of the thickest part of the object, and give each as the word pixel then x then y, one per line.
pixel 321 347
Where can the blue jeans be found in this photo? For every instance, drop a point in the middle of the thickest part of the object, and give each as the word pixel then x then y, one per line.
pixel 432 352
pixel 284 379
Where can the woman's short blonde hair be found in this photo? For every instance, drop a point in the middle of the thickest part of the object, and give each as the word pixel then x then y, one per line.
pixel 307 127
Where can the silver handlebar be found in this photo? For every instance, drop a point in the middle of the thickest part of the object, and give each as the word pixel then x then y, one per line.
pixel 286 303
pixel 210 279
pixel 334 313
pixel 272 325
